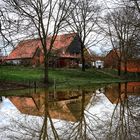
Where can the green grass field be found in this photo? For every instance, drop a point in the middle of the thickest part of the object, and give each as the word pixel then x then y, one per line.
pixel 61 77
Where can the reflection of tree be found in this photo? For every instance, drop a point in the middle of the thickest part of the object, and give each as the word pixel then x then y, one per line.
pixel 47 118
pixel 0 98
pixel 84 127
pixel 46 128
pixel 22 128
pixel 79 131
pixel 72 116
pixel 124 121
pixel 32 127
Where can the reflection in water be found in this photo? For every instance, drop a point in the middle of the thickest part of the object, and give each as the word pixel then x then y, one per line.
pixel 112 112
pixel 0 98
pixel 62 105
pixel 125 117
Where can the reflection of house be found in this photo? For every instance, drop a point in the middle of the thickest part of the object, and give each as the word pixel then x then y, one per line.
pixel 119 92
pixel 111 61
pixel 67 107
pixel 65 51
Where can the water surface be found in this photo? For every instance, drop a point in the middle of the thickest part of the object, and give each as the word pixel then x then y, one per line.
pixel 111 112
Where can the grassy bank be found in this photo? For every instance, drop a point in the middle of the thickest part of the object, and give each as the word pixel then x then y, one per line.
pixel 61 77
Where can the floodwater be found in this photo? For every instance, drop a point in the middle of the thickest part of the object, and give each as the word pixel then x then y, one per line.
pixel 110 112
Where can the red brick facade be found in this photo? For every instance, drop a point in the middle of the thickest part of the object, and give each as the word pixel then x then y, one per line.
pixel 111 61
pixel 132 65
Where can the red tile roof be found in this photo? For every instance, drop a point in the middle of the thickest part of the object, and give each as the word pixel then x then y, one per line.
pixel 27 48
pixel 62 41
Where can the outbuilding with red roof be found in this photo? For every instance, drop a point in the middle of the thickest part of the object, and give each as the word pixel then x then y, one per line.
pixel 65 51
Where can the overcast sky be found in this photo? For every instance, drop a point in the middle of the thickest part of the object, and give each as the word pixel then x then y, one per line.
pixel 103 45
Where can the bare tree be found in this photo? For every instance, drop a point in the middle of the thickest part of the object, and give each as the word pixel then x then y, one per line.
pixel 82 20
pixel 39 19
pixel 123 124
pixel 123 30
pixel 137 4
pixel 5 30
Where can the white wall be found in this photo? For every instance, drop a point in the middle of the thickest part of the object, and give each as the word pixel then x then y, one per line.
pixel 99 64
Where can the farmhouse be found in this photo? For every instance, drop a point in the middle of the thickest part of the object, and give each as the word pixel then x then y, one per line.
pixel 112 59
pixel 65 52
pixel 133 65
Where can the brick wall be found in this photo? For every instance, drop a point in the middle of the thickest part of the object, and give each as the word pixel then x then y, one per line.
pixel 132 65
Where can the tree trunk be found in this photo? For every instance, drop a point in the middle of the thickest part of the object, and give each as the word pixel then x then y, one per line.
pixel 82 58
pixel 119 68
pixel 46 76
pixel 125 67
